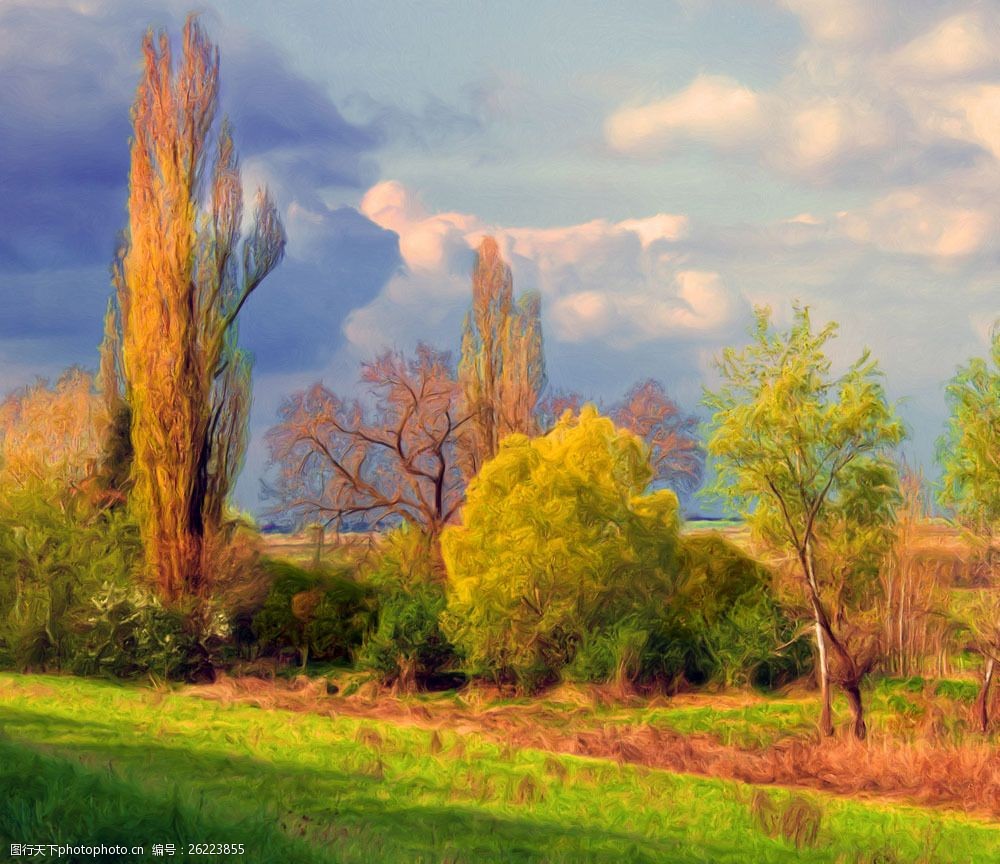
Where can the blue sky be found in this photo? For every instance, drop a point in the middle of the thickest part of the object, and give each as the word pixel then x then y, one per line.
pixel 654 169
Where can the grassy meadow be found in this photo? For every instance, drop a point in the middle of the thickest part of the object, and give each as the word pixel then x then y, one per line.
pixel 101 762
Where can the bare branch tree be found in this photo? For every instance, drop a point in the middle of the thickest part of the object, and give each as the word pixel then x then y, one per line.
pixel 397 459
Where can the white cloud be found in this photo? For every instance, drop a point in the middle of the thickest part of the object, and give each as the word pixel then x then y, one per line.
pixel 822 134
pixel 918 222
pixel 712 108
pixel 980 111
pixel 842 22
pixel 621 283
pixel 879 93
pixel 957 47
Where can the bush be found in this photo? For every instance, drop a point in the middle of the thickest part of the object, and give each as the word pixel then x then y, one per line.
pixel 733 624
pixel 558 549
pixel 406 645
pixel 321 613
pixel 56 553
pixel 128 633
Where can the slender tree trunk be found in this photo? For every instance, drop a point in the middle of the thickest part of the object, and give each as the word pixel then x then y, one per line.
pixel 853 692
pixel 982 706
pixel 826 715
pixel 406 680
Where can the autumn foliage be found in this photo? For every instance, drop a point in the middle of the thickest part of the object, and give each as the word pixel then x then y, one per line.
pixel 182 276
pixel 502 367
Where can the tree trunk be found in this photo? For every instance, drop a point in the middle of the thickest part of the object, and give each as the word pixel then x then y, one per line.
pixel 406 680
pixel 853 692
pixel 826 715
pixel 982 706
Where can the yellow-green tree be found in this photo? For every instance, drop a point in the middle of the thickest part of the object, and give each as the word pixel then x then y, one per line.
pixel 970 456
pixel 502 367
pixel 557 542
pixel 806 458
pixel 182 276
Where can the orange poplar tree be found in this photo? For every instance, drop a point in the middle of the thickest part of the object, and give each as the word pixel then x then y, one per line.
pixel 502 365
pixel 182 275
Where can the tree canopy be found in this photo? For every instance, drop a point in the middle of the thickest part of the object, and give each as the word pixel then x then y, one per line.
pixel 970 450
pixel 556 541
pixel 806 458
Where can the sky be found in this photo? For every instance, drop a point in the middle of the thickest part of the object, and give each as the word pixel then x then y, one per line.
pixel 655 169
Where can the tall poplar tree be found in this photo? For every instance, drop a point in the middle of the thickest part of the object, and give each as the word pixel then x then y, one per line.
pixel 502 367
pixel 182 276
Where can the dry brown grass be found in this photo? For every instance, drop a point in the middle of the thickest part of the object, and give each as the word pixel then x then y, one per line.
pixel 926 770
pixel 796 820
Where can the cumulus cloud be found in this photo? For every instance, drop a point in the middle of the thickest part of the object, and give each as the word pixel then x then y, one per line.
pixel 881 93
pixel 713 108
pixel 920 221
pixel 958 47
pixel 623 284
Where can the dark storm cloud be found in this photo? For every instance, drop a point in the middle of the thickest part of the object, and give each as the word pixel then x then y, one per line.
pixel 294 321
pixel 67 79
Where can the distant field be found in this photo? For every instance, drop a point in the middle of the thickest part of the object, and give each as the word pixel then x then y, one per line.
pixel 932 535
pixel 90 762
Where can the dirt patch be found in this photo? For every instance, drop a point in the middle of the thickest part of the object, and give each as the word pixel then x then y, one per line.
pixel 964 777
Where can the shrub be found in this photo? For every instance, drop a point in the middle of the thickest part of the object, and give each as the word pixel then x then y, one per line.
pixel 56 553
pixel 129 633
pixel 733 624
pixel 406 645
pixel 558 548
pixel 320 613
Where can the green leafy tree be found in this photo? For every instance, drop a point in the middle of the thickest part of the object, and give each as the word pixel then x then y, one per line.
pixel 970 456
pixel 805 457
pixel 56 554
pixel 321 614
pixel 737 632
pixel 406 644
pixel 557 543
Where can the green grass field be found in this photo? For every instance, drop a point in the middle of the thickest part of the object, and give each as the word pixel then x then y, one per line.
pixel 88 762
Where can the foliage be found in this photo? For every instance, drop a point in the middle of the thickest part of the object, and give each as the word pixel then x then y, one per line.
pixel 805 458
pixel 50 434
pixel 127 633
pixel 676 455
pixel 737 631
pixel 913 611
pixel 55 554
pixel 969 450
pixel 338 460
pixel 502 368
pixel 406 644
pixel 970 456
pixel 182 276
pixel 557 542
pixel 321 614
